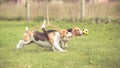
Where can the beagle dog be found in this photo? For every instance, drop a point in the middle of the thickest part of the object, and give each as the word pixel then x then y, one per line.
pixel 48 38
pixel 74 31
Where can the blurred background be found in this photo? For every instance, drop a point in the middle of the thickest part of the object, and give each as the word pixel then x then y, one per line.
pixel 70 10
pixel 99 49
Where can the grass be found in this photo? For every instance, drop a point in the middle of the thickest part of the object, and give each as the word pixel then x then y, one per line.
pixel 100 49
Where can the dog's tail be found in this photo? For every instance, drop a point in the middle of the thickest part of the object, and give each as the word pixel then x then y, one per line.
pixel 26 29
pixel 43 26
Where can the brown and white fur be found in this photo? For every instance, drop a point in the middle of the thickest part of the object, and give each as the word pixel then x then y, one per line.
pixel 50 38
pixel 74 31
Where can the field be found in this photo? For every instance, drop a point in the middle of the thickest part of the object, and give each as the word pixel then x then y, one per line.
pixel 99 49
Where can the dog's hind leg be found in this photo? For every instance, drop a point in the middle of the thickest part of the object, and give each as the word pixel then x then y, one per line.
pixel 22 43
pixel 19 45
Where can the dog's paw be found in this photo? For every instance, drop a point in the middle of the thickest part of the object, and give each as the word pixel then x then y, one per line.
pixel 64 51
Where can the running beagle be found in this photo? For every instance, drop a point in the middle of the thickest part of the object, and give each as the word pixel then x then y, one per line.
pixel 49 38
pixel 75 32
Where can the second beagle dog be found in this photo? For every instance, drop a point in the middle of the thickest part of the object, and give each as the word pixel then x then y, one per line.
pixel 75 32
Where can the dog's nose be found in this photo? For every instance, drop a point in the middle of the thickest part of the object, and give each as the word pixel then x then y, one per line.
pixel 81 32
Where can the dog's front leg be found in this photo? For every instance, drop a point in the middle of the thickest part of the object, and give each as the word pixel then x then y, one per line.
pixel 65 44
pixel 56 45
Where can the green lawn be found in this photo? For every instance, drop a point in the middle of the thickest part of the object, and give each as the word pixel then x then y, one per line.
pixel 99 49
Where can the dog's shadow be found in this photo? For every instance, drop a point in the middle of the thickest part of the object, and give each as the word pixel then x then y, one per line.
pixel 34 49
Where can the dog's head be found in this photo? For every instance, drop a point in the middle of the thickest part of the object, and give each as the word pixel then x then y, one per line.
pixel 76 31
pixel 64 34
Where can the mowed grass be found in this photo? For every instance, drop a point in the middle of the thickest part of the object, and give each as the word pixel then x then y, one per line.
pixel 99 49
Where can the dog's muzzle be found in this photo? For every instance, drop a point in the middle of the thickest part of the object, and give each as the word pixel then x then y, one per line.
pixel 81 32
pixel 69 35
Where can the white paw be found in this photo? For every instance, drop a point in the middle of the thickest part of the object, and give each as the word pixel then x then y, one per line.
pixel 17 47
pixel 63 51
pixel 66 46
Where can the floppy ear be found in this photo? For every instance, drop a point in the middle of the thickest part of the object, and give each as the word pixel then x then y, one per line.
pixel 74 31
pixel 62 33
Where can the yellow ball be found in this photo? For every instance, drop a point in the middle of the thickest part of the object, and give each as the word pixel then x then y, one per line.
pixel 85 31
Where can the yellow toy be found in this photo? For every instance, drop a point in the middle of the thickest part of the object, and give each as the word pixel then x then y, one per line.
pixel 85 31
